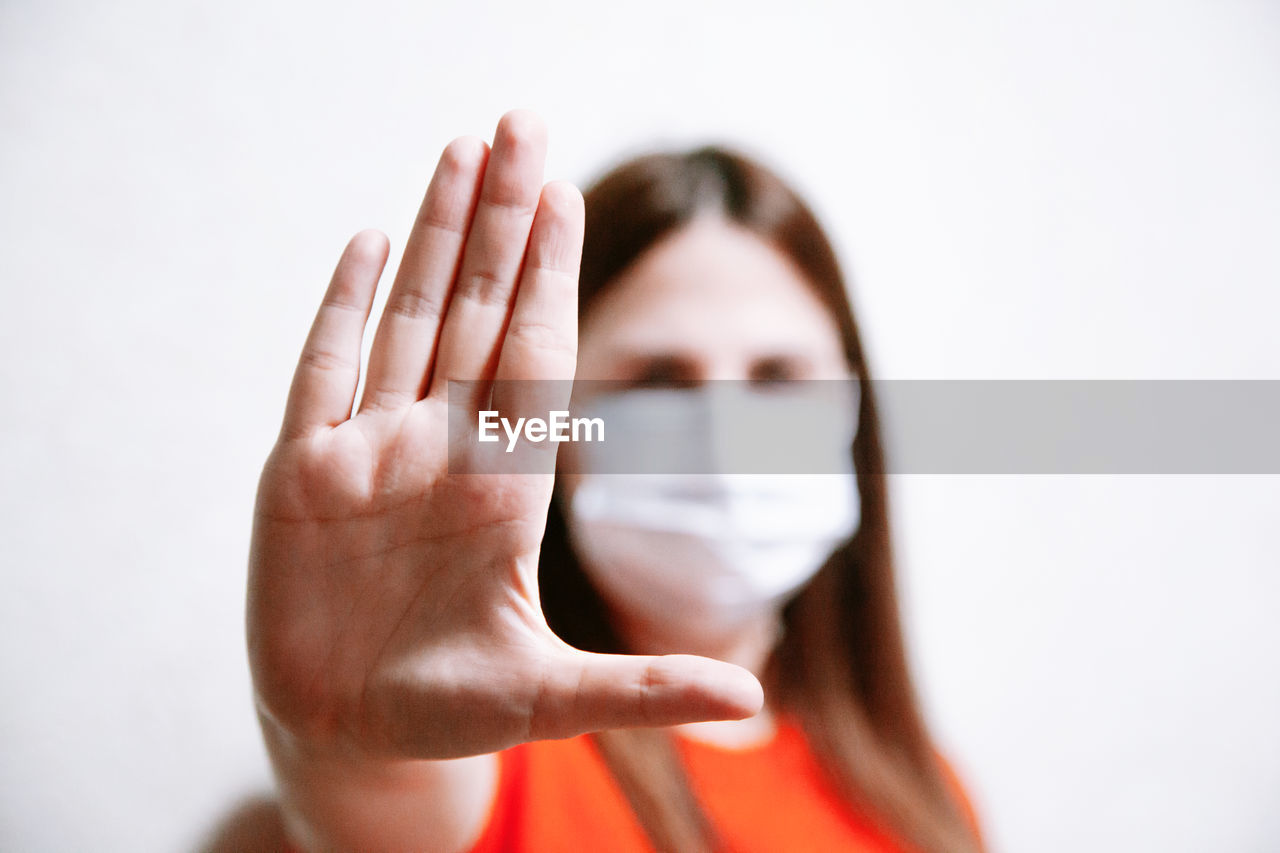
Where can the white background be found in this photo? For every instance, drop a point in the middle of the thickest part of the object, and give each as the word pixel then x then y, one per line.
pixel 1067 190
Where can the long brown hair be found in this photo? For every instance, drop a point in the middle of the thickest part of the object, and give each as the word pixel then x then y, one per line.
pixel 841 666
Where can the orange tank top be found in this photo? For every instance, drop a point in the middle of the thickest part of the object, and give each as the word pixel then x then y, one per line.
pixel 560 796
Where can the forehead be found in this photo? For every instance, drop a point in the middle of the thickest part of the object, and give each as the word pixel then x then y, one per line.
pixel 712 284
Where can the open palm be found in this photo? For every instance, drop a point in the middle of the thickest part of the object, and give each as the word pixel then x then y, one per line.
pixel 393 601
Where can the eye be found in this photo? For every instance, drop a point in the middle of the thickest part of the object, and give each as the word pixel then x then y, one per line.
pixel 662 372
pixel 775 371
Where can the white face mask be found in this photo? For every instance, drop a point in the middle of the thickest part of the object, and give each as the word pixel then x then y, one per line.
pixel 711 550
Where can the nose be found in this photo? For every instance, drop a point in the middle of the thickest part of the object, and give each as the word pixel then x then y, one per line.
pixel 720 367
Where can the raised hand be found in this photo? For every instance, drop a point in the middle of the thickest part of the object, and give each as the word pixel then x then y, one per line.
pixel 393 607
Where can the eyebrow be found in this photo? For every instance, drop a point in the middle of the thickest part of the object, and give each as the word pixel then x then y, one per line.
pixel 659 366
pixel 677 363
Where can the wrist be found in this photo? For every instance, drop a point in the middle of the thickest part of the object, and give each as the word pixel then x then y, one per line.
pixel 335 797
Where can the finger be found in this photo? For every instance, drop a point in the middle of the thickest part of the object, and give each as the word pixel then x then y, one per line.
pixel 590 692
pixel 324 384
pixel 541 342
pixel 471 338
pixel 399 363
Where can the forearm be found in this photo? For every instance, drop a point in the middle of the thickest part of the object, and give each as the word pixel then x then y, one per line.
pixel 343 803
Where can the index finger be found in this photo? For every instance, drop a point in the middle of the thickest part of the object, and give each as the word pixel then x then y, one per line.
pixel 324 384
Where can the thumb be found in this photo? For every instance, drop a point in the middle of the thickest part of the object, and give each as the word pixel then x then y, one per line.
pixel 589 692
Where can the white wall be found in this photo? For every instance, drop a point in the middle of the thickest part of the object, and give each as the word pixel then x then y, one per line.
pixel 1072 189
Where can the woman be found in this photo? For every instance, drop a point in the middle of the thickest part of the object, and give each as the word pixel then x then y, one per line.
pixel 412 694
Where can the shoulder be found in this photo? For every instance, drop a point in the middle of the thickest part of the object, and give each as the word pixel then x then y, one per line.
pixel 253 826
pixel 960 792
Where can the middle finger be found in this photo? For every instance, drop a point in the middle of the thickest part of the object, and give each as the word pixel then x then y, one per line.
pixel 481 303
